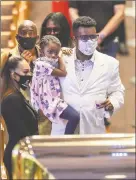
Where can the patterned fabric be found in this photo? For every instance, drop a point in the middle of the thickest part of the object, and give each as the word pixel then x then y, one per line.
pixel 83 70
pixel 46 91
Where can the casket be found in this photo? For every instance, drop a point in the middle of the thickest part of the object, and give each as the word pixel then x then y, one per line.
pixel 105 156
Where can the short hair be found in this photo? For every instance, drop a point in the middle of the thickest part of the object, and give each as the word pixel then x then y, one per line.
pixel 47 39
pixel 84 21
pixel 27 23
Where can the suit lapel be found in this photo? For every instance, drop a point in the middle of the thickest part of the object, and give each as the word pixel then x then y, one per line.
pixel 71 69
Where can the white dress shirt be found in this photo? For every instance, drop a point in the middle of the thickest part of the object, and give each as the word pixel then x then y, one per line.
pixel 83 70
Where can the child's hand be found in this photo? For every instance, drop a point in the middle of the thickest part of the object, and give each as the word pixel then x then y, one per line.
pixel 66 51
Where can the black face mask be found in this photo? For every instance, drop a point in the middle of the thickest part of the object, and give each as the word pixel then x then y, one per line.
pixel 26 43
pixel 24 81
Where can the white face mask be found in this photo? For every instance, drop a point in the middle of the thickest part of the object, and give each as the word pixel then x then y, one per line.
pixel 88 47
pixel 51 61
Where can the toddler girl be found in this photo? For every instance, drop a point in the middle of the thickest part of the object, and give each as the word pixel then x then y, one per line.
pixel 45 88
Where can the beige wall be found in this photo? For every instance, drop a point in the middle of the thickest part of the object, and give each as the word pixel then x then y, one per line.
pixel 39 10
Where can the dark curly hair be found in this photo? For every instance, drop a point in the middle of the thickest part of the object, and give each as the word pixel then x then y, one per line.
pixel 46 40
pixel 83 21
pixel 49 38
pixel 59 19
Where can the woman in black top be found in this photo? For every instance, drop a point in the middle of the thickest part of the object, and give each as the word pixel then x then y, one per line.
pixel 19 116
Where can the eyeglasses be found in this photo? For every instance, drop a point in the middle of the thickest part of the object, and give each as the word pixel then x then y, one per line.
pixel 93 37
pixel 54 30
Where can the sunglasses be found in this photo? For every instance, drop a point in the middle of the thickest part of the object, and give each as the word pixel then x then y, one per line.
pixel 93 37
pixel 54 30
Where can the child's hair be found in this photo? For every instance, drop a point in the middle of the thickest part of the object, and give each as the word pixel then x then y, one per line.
pixel 47 39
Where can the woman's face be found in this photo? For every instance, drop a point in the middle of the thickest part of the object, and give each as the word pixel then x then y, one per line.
pixel 23 69
pixel 51 28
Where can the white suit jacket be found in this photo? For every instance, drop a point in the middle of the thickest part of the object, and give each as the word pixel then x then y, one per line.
pixel 104 81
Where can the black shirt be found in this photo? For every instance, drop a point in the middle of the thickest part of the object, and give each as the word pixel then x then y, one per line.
pixel 19 116
pixel 101 11
pixel 21 121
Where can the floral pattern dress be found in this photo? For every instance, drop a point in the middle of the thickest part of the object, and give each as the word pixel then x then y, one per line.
pixel 46 91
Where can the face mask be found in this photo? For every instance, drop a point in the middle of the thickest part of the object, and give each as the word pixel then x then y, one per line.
pixel 51 61
pixel 26 43
pixel 88 47
pixel 24 81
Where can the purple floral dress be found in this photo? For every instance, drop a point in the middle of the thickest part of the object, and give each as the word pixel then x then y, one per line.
pixel 46 91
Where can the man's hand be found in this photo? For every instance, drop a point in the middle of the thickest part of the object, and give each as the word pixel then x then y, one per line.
pixel 107 105
pixel 27 55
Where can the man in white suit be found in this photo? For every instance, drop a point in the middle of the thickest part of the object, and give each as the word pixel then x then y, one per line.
pixel 92 85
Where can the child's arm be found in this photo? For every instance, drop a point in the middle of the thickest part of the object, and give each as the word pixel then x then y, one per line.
pixel 61 71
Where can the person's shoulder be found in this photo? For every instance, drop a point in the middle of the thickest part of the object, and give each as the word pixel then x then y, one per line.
pixel 107 59
pixel 65 48
pixel 12 102
pixel 13 97
pixel 5 53
pixel 68 55
pixel 67 52
pixel 4 57
pixel 13 51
